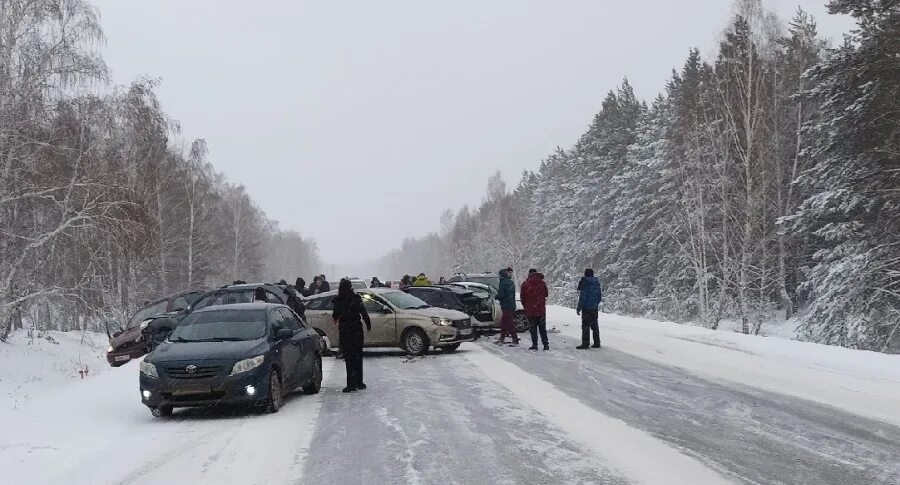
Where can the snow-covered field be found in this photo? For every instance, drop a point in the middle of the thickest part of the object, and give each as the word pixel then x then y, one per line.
pixel 660 403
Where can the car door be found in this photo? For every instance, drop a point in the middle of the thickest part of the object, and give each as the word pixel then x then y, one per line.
pixel 305 339
pixel 384 322
pixel 288 351
pixel 318 316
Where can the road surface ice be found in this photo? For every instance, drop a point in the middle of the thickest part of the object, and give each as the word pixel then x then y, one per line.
pixel 486 414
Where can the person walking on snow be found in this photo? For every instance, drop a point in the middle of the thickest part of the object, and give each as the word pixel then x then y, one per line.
pixel 349 313
pixel 589 298
pixel 422 280
pixel 506 295
pixel 534 298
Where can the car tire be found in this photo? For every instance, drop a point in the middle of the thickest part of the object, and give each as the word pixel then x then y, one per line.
pixel 415 342
pixel 450 348
pixel 275 398
pixel 315 385
pixel 522 324
pixel 161 411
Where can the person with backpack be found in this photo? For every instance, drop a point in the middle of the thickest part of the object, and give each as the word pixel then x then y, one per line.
pixel 534 299
pixel 589 297
pixel 506 295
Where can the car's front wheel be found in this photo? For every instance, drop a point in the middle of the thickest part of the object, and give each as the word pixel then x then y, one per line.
pixel 315 385
pixel 161 411
pixel 275 398
pixel 415 341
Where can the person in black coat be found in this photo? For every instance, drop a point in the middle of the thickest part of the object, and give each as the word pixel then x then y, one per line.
pixel 324 286
pixel 349 313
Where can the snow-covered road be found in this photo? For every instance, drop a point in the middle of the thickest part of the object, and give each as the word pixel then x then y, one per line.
pixel 486 414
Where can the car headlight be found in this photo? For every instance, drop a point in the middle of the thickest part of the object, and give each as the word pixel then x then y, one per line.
pixel 145 323
pixel 149 369
pixel 444 322
pixel 110 348
pixel 247 364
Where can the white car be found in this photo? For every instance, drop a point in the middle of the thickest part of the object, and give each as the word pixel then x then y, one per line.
pixel 484 321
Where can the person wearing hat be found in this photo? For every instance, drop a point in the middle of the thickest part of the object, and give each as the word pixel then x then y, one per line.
pixel 534 299
pixel 589 297
pixel 422 280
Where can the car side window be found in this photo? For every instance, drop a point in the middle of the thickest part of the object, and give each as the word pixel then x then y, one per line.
pixel 278 322
pixel 180 303
pixel 325 303
pixel 273 298
pixel 290 320
pixel 192 297
pixel 431 297
pixel 371 305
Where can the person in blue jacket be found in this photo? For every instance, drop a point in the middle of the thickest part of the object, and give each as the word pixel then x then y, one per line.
pixel 589 297
pixel 506 294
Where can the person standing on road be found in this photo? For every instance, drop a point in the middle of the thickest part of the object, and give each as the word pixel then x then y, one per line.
pixel 376 283
pixel 349 313
pixel 324 286
pixel 506 295
pixel 589 298
pixel 422 280
pixel 260 294
pixel 534 299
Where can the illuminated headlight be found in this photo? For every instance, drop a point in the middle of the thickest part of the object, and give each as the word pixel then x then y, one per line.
pixel 145 323
pixel 149 370
pixel 251 391
pixel 110 348
pixel 444 322
pixel 146 394
pixel 247 364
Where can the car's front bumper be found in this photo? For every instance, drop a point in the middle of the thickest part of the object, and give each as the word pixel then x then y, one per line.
pixel 123 356
pixel 220 389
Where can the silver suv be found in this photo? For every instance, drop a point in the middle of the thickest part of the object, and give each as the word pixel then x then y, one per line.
pixel 398 320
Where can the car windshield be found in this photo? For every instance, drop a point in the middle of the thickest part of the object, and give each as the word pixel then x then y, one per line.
pixel 221 325
pixel 148 311
pixel 403 301
pixel 225 297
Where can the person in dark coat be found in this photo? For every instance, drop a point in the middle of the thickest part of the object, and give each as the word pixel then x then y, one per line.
pixel 349 313
pixel 589 297
pixel 376 283
pixel 260 294
pixel 313 287
pixel 506 295
pixel 324 286
pixel 300 286
pixel 294 302
pixel 534 299
pixel 405 281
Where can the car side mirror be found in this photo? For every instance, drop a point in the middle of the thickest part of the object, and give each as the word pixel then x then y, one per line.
pixel 386 310
pixel 284 333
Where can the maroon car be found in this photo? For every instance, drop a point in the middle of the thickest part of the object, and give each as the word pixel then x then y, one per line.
pixel 136 339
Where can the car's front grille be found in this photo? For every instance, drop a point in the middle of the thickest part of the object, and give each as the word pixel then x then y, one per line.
pixel 192 372
pixel 462 323
pixel 205 396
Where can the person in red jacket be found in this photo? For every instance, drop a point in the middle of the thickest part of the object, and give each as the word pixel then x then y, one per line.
pixel 534 299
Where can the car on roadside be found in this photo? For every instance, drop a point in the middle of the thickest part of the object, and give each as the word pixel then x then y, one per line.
pixel 478 305
pixel 248 354
pixel 156 320
pixel 398 320
pixel 142 330
pixel 493 281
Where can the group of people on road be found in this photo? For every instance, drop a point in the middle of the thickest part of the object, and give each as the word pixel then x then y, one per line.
pixel 533 294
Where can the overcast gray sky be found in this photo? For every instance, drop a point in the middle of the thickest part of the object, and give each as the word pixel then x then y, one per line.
pixel 374 116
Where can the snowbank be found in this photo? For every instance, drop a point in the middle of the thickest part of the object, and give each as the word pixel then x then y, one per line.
pixel 32 368
pixel 860 382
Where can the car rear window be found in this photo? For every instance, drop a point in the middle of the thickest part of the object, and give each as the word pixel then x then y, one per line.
pixel 225 297
pixel 221 325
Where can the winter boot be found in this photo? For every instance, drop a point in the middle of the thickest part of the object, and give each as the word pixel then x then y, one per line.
pixel 349 389
pixel 546 346
pixel 533 347
pixel 583 346
pixel 596 345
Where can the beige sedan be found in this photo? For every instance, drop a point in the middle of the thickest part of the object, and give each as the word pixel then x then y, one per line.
pixel 398 320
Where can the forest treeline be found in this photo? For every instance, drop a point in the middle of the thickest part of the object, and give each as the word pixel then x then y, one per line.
pixel 764 181
pixel 101 207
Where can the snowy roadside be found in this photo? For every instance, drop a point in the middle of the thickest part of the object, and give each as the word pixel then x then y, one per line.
pixel 860 382
pixel 35 368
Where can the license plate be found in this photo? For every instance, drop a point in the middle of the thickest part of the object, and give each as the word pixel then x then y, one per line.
pixel 122 358
pixel 465 331
pixel 191 389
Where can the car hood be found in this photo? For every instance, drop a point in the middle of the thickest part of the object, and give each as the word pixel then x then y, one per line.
pixel 193 351
pixel 126 337
pixel 440 313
